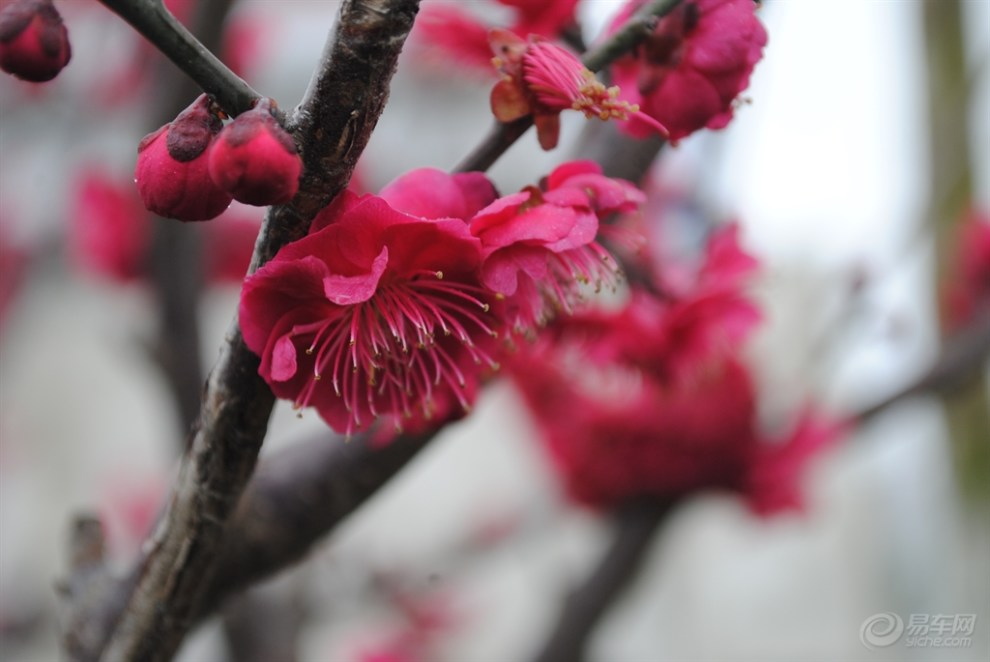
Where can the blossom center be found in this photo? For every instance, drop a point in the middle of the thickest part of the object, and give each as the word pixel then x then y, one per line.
pixel 391 353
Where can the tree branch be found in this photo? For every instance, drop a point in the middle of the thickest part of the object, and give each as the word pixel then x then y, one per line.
pixel 635 524
pixel 297 497
pixel 963 358
pixel 158 26
pixel 332 125
pixel 503 135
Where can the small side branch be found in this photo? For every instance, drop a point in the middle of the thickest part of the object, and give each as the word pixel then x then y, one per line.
pixel 963 358
pixel 158 26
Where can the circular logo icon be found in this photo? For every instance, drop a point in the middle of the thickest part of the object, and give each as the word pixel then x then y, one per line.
pixel 881 630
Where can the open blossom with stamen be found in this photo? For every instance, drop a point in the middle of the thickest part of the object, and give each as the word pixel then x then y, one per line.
pixel 540 246
pixel 377 311
pixel 543 80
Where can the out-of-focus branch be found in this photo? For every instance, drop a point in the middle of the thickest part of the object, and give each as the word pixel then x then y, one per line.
pixel 503 135
pixel 296 498
pixel 332 126
pixel 626 38
pixel 962 361
pixel 263 623
pixel 636 523
pixel 157 25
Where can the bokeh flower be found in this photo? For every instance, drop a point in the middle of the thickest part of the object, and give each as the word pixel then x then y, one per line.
pixel 34 44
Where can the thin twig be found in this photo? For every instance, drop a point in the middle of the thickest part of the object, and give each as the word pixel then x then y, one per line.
pixel 963 358
pixel 500 138
pixel 503 135
pixel 158 26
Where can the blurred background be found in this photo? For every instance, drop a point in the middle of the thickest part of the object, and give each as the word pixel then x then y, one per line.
pixel 865 141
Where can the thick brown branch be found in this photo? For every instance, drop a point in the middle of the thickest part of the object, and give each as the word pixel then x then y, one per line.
pixel 503 136
pixel 332 127
pixel 157 25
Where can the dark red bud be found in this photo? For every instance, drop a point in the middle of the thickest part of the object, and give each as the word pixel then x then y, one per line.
pixel 255 160
pixel 192 131
pixel 34 44
pixel 172 171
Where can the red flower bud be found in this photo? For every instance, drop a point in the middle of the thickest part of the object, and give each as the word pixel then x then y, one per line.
pixel 255 160
pixel 34 44
pixel 172 172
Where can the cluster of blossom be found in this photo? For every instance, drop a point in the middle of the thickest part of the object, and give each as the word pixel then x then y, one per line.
pixel 193 167
pixel 685 76
pixel 655 400
pixel 394 304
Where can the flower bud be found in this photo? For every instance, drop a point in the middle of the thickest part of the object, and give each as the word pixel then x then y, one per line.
pixel 255 160
pixel 172 172
pixel 34 44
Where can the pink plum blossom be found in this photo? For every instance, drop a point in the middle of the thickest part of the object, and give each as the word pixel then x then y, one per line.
pixel 378 311
pixel 689 71
pixel 543 80
pixel 540 245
